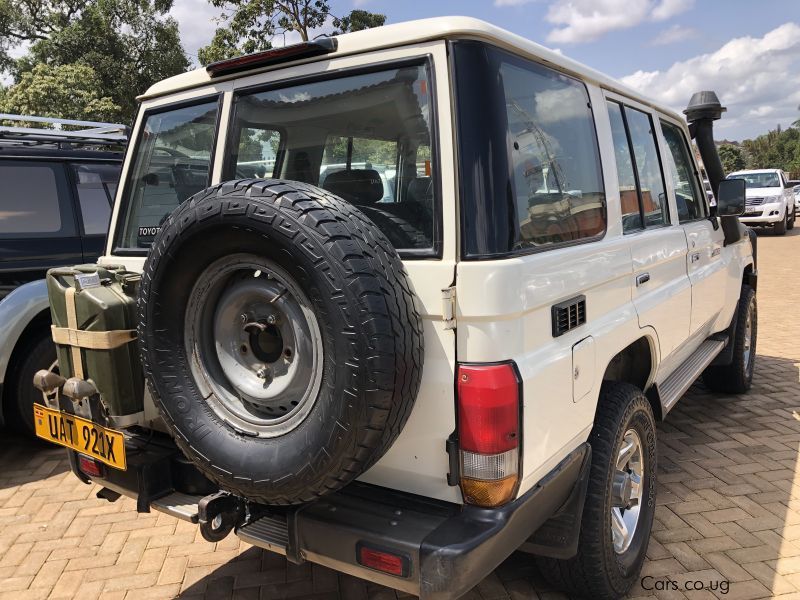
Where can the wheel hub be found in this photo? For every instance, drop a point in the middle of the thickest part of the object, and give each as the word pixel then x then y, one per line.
pixel 626 490
pixel 256 345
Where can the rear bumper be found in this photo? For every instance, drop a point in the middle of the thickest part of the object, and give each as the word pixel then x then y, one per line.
pixel 447 548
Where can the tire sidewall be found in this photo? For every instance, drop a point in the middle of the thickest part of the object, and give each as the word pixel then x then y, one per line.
pixel 290 460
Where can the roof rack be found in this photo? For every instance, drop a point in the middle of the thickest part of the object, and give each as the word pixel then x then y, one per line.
pixel 91 134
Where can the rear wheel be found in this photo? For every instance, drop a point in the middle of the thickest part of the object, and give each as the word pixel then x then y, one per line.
pixel 620 500
pixel 39 353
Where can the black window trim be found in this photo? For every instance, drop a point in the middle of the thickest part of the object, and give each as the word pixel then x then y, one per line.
pixel 663 120
pixel 519 252
pixel 649 114
pixel 425 60
pixel 76 201
pixel 122 194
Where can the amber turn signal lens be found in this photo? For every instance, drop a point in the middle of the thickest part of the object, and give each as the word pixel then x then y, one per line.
pixel 489 493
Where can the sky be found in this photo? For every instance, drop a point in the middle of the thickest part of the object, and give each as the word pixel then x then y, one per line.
pixel 746 51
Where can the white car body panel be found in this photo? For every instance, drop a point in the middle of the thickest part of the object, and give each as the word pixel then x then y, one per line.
pixel 503 307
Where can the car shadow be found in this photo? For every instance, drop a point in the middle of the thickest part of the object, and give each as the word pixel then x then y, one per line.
pixel 25 460
pixel 726 474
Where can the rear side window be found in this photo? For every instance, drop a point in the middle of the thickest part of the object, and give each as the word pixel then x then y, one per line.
pixel 648 207
pixel 688 196
pixel 97 186
pixel 529 160
pixel 257 152
pixel 172 162
pixel 364 136
pixel 34 201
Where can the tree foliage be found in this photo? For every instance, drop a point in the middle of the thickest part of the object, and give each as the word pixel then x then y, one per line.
pixel 250 25
pixel 129 44
pixel 732 158
pixel 66 91
pixel 777 149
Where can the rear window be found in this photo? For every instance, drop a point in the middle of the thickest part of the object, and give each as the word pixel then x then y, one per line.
pixel 531 177
pixel 365 137
pixel 29 200
pixel 172 162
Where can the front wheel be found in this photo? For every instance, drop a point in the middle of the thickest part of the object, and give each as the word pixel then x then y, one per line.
pixel 790 223
pixel 620 501
pixel 737 377
pixel 781 226
pixel 40 353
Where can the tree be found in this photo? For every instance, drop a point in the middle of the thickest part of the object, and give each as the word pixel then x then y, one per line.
pixel 250 25
pixel 66 91
pixel 731 157
pixel 129 44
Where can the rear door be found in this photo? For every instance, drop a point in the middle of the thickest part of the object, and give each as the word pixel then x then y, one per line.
pixel 95 187
pixel 706 265
pixel 660 286
pixel 37 222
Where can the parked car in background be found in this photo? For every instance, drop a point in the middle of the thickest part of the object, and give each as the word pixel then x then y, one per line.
pixel 795 184
pixel 770 199
pixel 56 191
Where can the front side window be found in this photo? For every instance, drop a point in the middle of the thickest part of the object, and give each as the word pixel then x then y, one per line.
pixel 634 128
pixel 97 186
pixel 361 136
pixel 529 159
pixel 31 200
pixel 688 196
pixel 172 162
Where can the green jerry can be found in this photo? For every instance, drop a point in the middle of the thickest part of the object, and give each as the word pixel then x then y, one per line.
pixel 94 327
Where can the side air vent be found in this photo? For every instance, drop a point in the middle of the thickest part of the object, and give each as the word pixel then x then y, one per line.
pixel 568 315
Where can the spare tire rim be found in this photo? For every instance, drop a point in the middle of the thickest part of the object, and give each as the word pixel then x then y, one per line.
pixel 626 490
pixel 254 344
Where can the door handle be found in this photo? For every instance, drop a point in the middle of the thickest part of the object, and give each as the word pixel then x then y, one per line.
pixel 695 256
pixel 642 279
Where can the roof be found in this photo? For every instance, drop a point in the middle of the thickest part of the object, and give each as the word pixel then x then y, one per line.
pixel 423 30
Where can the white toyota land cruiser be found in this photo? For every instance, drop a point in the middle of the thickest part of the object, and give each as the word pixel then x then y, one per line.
pixel 410 386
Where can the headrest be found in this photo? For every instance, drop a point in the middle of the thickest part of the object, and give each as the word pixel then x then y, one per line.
pixel 420 189
pixel 357 186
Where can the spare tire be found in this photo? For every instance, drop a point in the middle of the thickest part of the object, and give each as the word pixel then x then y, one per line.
pixel 279 337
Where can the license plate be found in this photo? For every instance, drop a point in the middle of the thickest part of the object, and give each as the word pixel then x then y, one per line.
pixel 753 211
pixel 82 435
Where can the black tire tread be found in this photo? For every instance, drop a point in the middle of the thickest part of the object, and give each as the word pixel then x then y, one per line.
pixel 39 353
pixel 376 286
pixel 736 378
pixel 584 575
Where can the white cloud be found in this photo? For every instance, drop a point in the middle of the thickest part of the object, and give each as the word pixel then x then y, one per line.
pixel 501 3
pixel 672 35
pixel 751 75
pixel 580 21
pixel 196 19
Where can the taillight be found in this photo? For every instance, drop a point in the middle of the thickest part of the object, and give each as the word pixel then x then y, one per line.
pixel 89 466
pixel 488 433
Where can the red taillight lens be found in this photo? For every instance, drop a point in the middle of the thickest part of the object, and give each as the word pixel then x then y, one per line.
pixel 488 408
pixel 273 56
pixel 383 560
pixel 89 466
pixel 488 432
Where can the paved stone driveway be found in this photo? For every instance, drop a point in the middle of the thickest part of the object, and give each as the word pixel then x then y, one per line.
pixel 728 514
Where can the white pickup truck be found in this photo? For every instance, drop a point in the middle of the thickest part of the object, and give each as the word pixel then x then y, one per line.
pixel 406 391
pixel 770 199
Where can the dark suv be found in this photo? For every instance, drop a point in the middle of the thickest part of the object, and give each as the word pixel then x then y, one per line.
pixel 56 192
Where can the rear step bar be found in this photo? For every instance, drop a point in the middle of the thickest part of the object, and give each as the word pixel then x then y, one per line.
pixel 675 386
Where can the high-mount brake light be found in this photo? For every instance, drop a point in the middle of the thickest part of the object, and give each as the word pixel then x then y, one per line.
pixel 489 433
pixel 273 56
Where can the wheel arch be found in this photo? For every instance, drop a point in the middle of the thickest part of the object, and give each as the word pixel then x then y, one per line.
pixel 636 364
